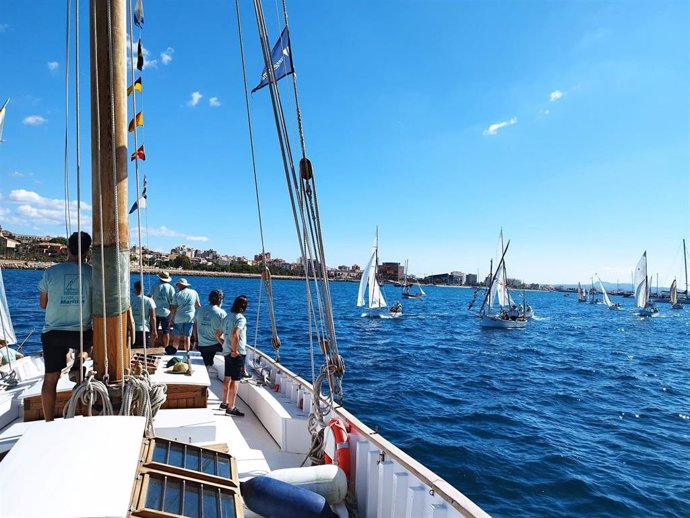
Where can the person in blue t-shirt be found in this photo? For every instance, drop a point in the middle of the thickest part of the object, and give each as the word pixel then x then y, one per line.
pixel 182 311
pixel 68 316
pixel 147 329
pixel 163 295
pixel 208 327
pixel 8 355
pixel 235 351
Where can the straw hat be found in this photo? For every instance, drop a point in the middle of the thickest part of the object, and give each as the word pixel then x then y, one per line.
pixel 182 282
pixel 164 276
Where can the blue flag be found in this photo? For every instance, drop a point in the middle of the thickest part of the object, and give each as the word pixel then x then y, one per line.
pixel 141 202
pixel 282 60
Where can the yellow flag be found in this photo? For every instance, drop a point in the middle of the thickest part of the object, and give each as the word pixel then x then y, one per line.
pixel 136 86
pixel 139 121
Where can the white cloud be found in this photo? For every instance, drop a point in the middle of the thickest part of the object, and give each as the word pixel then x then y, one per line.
pixel 53 65
pixel 34 120
pixel 164 231
pixel 493 129
pixel 133 52
pixel 34 209
pixel 166 55
pixel 214 102
pixel 196 97
pixel 555 95
pixel 197 238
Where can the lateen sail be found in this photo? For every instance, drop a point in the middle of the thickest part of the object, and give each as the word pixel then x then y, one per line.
pixel 640 281
pixel 607 300
pixel 365 277
pixel 674 293
pixel 2 117
pixel 6 328
pixel 375 298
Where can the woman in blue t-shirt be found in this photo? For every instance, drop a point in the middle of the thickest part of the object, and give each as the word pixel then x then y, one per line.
pixel 235 351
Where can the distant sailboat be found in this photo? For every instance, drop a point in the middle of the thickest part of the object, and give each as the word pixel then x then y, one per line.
pixel 498 317
pixel 2 118
pixel 406 293
pixel 370 294
pixel 674 297
pixel 581 294
pixel 607 300
pixel 593 299
pixel 642 289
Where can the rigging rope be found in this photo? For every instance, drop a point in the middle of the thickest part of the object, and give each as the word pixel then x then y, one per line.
pixel 78 152
pixel 266 274
pixel 68 222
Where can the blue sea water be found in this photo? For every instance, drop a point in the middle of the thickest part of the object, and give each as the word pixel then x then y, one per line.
pixel 585 412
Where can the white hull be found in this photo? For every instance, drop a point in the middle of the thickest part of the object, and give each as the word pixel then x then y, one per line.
pixel 273 435
pixel 499 323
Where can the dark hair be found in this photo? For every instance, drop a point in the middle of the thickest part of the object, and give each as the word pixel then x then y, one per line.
pixel 73 243
pixel 215 297
pixel 137 286
pixel 239 304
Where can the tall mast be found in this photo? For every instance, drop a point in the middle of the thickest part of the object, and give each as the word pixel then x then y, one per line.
pixel 109 187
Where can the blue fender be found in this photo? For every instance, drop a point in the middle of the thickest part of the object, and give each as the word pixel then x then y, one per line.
pixel 273 498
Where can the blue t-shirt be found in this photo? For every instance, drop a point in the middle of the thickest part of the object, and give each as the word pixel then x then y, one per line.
pixel 186 301
pixel 7 355
pixel 149 304
pixel 61 283
pixel 231 322
pixel 162 295
pixel 209 319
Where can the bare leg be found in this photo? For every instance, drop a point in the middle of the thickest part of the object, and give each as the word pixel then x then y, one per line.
pixel 176 341
pixel 232 393
pixel 49 395
pixel 226 388
pixel 187 340
pixel 166 339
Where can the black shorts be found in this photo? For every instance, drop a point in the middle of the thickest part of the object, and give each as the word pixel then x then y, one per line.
pixel 234 367
pixel 140 340
pixel 163 321
pixel 56 345
pixel 208 352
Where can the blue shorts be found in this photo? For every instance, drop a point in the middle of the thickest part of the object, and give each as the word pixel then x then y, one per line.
pixel 163 321
pixel 234 367
pixel 183 329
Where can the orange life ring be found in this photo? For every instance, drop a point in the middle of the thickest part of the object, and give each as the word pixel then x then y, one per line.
pixel 342 446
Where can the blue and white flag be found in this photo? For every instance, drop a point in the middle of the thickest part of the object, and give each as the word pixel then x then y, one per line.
pixel 281 56
pixel 139 14
pixel 141 202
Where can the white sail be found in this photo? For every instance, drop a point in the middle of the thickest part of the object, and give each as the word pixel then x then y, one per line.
pixel 640 282
pixel 674 293
pixel 375 297
pixel 2 117
pixel 607 300
pixel 6 328
pixel 420 288
pixel 366 274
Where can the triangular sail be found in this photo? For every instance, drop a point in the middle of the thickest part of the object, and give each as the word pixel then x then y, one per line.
pixel 607 300
pixel 6 328
pixel 365 277
pixel 2 117
pixel 375 296
pixel 641 283
pixel 420 288
pixel 674 293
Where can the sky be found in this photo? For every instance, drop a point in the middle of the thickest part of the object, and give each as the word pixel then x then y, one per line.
pixel 566 124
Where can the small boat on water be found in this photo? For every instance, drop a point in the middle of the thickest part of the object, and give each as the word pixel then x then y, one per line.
pixel 674 297
pixel 581 293
pixel 407 293
pixel 501 314
pixel 607 300
pixel 643 288
pixel 370 294
pixel 149 442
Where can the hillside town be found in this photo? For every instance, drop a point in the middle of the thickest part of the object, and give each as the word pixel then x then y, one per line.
pixel 22 248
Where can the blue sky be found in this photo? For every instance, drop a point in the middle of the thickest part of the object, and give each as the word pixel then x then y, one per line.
pixel 566 123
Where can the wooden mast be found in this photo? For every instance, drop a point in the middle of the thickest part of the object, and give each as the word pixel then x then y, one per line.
pixel 109 153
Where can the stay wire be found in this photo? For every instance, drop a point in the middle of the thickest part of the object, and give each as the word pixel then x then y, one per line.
pixel 68 222
pixel 265 276
pixel 78 159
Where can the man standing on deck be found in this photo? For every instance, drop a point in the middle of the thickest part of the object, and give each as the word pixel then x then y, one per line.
pixel 208 327
pixel 182 312
pixel 63 329
pixel 163 295
pixel 235 352
pixel 145 328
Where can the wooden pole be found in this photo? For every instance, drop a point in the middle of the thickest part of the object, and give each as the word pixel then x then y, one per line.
pixel 109 187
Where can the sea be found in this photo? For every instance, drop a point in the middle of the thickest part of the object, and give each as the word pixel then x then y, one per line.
pixel 586 412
